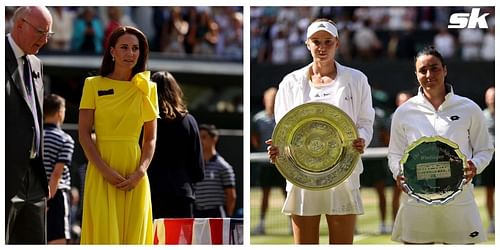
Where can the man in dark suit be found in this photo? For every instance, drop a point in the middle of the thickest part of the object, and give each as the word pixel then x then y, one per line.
pixel 26 185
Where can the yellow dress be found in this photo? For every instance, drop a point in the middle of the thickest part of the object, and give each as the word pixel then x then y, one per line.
pixel 112 216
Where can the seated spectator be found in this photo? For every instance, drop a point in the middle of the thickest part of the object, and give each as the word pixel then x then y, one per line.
pixel 173 33
pixel 206 34
pixel 62 26
pixel 366 41
pixel 280 51
pixel 233 37
pixel 116 19
pixel 88 33
pixel 445 42
pixel 488 46
pixel 470 41
pixel 191 38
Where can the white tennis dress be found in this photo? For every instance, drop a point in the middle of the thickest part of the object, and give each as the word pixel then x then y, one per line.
pixel 351 93
pixel 460 120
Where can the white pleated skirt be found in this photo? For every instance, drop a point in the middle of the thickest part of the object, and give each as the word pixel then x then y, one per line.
pixel 457 222
pixel 340 200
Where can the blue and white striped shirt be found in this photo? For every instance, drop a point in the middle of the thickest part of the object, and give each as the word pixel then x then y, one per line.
pixel 58 148
pixel 219 175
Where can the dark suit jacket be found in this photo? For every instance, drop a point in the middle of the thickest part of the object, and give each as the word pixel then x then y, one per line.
pixel 178 160
pixel 19 125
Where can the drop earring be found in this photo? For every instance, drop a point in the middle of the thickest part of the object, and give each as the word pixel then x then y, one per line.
pixel 112 58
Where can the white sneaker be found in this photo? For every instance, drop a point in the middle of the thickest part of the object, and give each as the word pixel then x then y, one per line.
pixel 259 230
pixel 385 229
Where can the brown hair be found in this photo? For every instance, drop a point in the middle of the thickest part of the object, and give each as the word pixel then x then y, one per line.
pixel 52 103
pixel 211 130
pixel 169 96
pixel 108 65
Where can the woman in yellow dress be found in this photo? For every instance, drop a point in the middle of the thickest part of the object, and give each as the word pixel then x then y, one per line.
pixel 118 103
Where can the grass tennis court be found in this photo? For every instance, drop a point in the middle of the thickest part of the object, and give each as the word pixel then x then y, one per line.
pixel 278 230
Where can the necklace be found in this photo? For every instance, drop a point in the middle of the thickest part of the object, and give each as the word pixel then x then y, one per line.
pixel 318 79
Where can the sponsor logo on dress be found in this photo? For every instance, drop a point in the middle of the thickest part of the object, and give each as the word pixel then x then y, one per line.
pixel 474 234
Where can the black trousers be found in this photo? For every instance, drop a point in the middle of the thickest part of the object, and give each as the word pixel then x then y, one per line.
pixel 217 212
pixel 26 222
pixel 58 216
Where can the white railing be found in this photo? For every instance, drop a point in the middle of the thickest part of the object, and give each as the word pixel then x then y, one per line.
pixel 370 153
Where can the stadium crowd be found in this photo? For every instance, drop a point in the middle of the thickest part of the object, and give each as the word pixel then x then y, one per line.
pixel 214 32
pixel 278 33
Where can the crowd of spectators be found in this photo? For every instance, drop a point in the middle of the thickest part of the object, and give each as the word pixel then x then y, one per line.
pixel 212 32
pixel 278 33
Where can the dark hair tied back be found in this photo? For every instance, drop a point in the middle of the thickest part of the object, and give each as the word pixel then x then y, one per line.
pixel 430 50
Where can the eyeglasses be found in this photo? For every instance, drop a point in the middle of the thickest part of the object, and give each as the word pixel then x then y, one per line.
pixel 39 31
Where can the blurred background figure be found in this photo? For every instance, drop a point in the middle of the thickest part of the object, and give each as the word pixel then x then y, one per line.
pixel 88 32
pixel 230 37
pixel 173 32
pixel 470 41
pixel 444 41
pixel 261 130
pixel 62 27
pixel 366 41
pixel 202 33
pixel 142 16
pixel 116 18
pixel 375 170
pixel 401 98
pixel 216 194
pixel 487 177
pixel 488 46
pixel 205 34
pixel 280 49
pixel 9 14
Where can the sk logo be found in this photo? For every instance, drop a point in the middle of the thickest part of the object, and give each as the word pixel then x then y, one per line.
pixel 460 20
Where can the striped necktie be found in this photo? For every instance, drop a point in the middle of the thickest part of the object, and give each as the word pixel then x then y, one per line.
pixel 28 84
